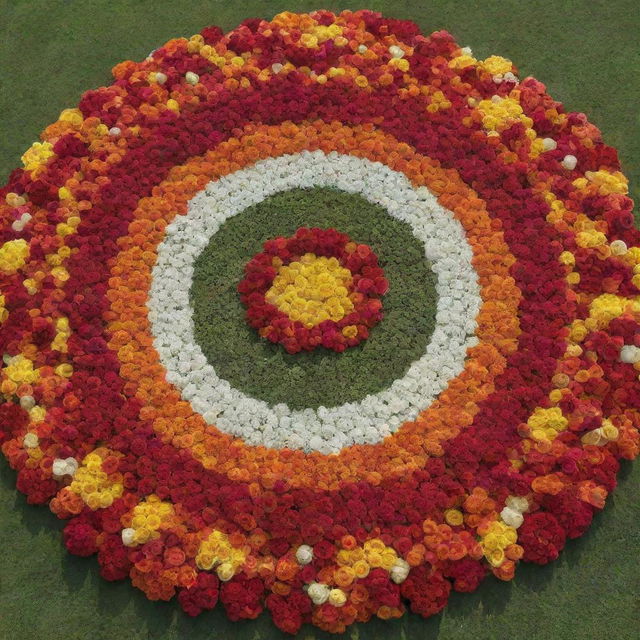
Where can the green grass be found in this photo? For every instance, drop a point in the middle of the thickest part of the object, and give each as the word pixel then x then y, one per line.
pixel 322 377
pixel 587 53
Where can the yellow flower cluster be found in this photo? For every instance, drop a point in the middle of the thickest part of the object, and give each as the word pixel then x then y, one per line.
pixel 498 537
pixel 216 551
pixel 602 310
pixel 496 65
pixel 13 255
pixel 500 113
pixel 73 116
pixel 438 101
pixel 148 517
pixel 20 370
pixel 320 34
pixel 545 424
pixel 312 290
pixel 37 155
pixel 606 181
pixel 357 562
pixel 93 485
pixel 590 238
pixel 63 331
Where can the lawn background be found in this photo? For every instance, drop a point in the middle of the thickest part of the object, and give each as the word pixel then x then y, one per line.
pixel 588 54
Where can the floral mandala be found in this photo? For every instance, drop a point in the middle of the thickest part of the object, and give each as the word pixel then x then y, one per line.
pixel 496 445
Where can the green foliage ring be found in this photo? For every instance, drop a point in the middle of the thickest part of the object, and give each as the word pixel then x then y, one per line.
pixel 322 377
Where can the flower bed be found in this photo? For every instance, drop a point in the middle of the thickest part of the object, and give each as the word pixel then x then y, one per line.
pixel 317 288
pixel 495 445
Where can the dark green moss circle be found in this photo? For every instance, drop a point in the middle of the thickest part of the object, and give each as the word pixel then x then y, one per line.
pixel 321 377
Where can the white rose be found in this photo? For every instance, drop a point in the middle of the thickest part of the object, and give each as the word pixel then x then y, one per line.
pixel 318 592
pixel 630 354
pixel 511 517
pixel 27 402
pixel 128 536
pixel 399 571
pixel 30 440
pixel 619 247
pixel 517 503
pixel 304 554
pixel 59 467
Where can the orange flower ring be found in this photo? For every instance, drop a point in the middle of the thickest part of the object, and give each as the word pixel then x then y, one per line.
pixel 103 413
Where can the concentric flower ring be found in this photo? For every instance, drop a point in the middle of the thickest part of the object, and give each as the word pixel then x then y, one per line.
pixel 176 480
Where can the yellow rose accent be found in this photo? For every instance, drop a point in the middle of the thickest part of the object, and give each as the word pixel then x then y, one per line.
pixel 37 414
pixel 608 183
pixel 453 517
pixel 496 65
pixel 64 370
pixel 462 61
pixel 63 331
pixel 312 290
pixel 20 369
pixel 401 63
pixel 350 331
pixel 4 313
pixel 372 555
pixel 93 485
pixel 64 193
pixel 567 258
pixel 438 101
pixel 500 113
pixel 36 156
pixel 148 517
pixel 60 273
pixel 13 255
pixel 308 40
pixel 73 116
pixel 337 597
pixel 607 307
pixel 591 238
pixel 217 551
pixel 497 538
pixel 545 424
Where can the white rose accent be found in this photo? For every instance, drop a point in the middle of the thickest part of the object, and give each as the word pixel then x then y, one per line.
pixel 517 503
pixel 400 571
pixel 304 554
pixel 318 592
pixel 31 440
pixel 511 517
pixel 64 467
pixel 326 429
pixel 630 354
pixel 128 536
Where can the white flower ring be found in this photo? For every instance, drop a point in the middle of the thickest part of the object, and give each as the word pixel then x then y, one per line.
pixel 325 429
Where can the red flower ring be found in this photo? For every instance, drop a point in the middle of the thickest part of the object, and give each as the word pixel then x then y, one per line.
pixel 512 458
pixel 335 306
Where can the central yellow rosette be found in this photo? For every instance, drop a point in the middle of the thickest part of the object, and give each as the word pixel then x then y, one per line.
pixel 312 290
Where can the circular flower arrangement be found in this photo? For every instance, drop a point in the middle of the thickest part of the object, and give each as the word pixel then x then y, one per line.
pixel 315 288
pixel 496 445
